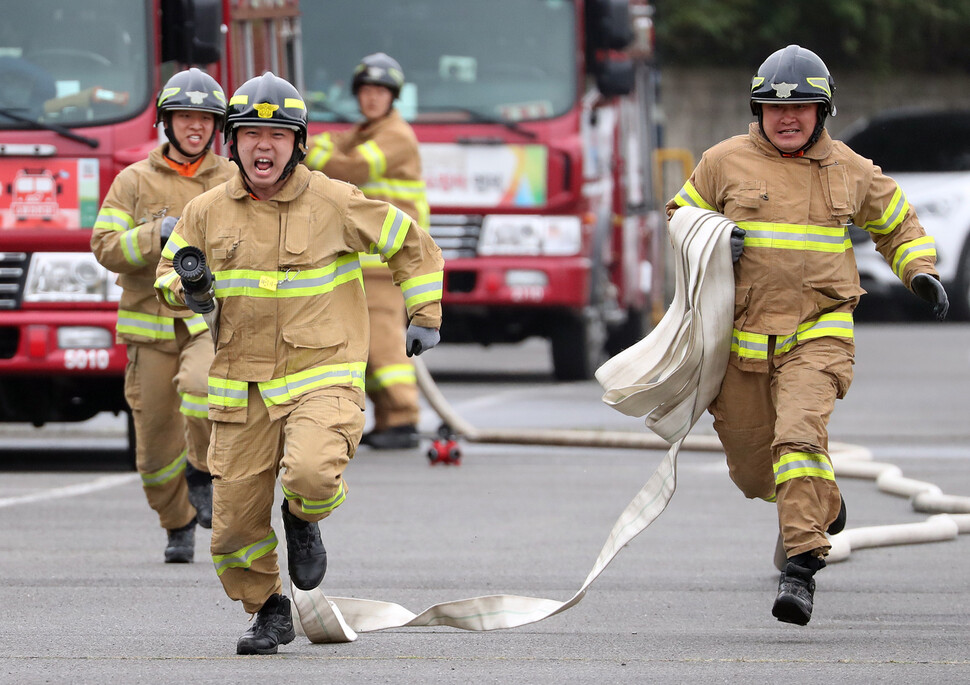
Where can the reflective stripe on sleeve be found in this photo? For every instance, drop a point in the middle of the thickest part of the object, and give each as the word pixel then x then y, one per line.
pixel 376 161
pixel 907 252
pixel 393 232
pixel 689 197
pixel 892 217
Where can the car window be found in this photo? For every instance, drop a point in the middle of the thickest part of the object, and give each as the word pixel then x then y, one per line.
pixel 924 142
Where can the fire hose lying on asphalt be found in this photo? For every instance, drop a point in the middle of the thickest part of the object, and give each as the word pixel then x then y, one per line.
pixel 669 377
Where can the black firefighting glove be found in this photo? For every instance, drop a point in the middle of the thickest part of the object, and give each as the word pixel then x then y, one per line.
pixel 165 230
pixel 421 339
pixel 931 290
pixel 737 243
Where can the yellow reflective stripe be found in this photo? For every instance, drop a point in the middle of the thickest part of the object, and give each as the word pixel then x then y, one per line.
pixel 749 345
pixel 193 405
pixel 226 393
pixel 246 282
pixel 393 232
pixel 280 390
pixel 166 474
pixel 146 325
pixel 907 252
pixel 892 217
pixel 420 289
pixel 836 324
pixel 243 558
pixel 174 244
pixel 796 236
pixel 796 464
pixel 372 152
pixel 309 506
pixel 370 261
pixel 195 324
pixel 114 220
pixel 403 191
pixel 130 248
pixel 164 285
pixel 689 197
pixel 392 374
pixel 321 152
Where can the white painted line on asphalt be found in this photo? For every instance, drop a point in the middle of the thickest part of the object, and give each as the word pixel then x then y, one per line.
pixel 101 483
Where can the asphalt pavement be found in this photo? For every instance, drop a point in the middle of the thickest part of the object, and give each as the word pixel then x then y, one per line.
pixel 86 598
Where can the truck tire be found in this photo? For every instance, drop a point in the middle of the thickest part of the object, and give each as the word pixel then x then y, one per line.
pixel 130 457
pixel 578 347
pixel 960 297
pixel 632 331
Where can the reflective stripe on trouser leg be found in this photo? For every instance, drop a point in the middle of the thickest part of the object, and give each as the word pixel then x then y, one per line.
pixel 393 393
pixel 744 419
pixel 805 384
pixel 159 432
pixel 322 435
pixel 244 460
pixel 191 381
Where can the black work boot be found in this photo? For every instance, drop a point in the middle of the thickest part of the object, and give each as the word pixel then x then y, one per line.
pixel 306 557
pixel 838 525
pixel 272 627
pixel 181 544
pixel 200 494
pixel 796 589
pixel 394 438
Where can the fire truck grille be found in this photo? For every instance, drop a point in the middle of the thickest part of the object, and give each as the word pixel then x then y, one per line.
pixel 13 270
pixel 456 235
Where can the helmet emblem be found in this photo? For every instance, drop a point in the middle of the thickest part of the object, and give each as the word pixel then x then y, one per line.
pixel 197 97
pixel 265 110
pixel 783 90
pixel 375 72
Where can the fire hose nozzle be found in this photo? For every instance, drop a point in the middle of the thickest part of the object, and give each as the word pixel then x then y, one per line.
pixel 189 264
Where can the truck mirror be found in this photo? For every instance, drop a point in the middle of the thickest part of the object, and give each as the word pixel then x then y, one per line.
pixel 609 25
pixel 614 77
pixel 193 31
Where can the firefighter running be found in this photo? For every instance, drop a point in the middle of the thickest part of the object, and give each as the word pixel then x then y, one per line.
pixel 169 352
pixel 793 191
pixel 286 388
pixel 380 156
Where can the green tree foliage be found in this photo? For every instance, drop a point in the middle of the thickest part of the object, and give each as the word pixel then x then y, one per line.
pixel 879 36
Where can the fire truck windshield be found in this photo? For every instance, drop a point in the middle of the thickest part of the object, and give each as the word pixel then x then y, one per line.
pixel 510 60
pixel 78 63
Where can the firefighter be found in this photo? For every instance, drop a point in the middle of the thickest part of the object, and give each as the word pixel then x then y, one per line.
pixel 380 156
pixel 169 352
pixel 793 191
pixel 286 389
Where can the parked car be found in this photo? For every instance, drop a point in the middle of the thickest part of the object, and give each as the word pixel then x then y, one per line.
pixel 928 154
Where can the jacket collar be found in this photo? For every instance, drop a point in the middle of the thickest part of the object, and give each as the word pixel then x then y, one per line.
pixel 297 182
pixel 820 150
pixel 157 159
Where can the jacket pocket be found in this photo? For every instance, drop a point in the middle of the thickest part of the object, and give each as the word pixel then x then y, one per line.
pixel 831 296
pixel 835 181
pixel 314 337
pixel 742 294
pixel 752 194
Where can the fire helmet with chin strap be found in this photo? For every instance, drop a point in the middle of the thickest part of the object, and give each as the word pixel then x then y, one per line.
pixel 379 69
pixel 794 74
pixel 190 90
pixel 268 100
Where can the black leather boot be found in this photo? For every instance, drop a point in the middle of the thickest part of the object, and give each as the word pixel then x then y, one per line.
pixel 200 494
pixel 181 544
pixel 272 627
pixel 306 557
pixel 796 589
pixel 394 438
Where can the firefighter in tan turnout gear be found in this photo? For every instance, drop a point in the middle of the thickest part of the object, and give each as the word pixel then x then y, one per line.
pixel 169 352
pixel 286 389
pixel 793 191
pixel 380 156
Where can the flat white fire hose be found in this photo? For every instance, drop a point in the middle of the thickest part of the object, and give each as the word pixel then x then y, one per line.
pixel 677 370
pixel 669 377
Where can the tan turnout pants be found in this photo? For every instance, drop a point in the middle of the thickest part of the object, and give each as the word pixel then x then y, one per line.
pixel 311 446
pixel 391 382
pixel 167 394
pixel 773 429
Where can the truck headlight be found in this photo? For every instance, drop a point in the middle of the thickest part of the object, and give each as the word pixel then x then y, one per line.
pixel 529 234
pixel 69 277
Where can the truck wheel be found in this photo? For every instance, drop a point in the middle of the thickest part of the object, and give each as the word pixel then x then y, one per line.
pixel 633 330
pixel 960 299
pixel 130 458
pixel 578 347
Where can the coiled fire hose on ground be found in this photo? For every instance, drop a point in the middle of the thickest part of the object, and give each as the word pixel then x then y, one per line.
pixel 669 377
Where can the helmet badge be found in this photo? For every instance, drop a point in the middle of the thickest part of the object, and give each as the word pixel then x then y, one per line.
pixel 783 90
pixel 265 110
pixel 196 97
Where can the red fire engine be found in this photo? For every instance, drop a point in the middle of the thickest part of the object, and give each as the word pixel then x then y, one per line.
pixel 538 132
